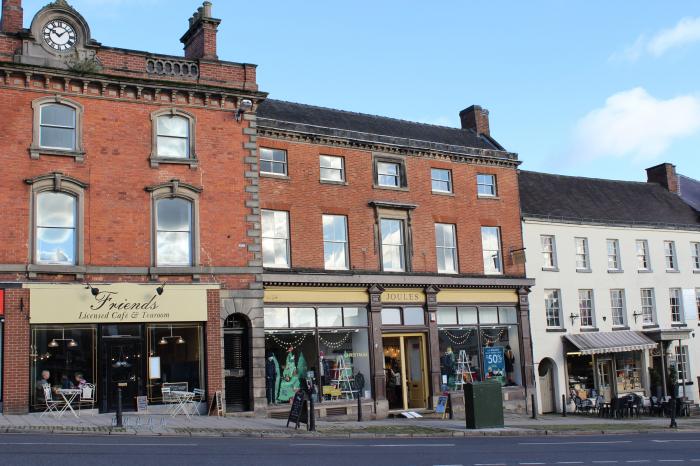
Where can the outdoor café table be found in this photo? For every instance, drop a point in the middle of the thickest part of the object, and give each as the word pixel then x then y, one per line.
pixel 183 399
pixel 69 395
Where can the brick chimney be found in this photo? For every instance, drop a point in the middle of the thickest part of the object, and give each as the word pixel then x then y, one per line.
pixel 200 38
pixel 665 175
pixel 12 16
pixel 475 118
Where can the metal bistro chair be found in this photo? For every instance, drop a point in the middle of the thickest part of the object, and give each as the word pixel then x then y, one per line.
pixel 601 407
pixel 52 406
pixel 87 397
pixel 200 396
pixel 168 399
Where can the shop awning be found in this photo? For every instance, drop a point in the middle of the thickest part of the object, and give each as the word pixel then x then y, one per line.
pixel 610 342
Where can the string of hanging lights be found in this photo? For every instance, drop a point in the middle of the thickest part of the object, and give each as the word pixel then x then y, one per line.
pixel 296 341
pixel 335 344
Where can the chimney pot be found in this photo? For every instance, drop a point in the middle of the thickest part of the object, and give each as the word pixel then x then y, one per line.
pixel 665 175
pixel 207 9
pixel 475 118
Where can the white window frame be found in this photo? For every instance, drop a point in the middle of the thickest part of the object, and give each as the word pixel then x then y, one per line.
pixel 341 170
pixel 434 180
pixel 670 259
pixel 643 264
pixel 648 304
pixel 380 173
pixel 675 303
pixel 582 257
pixel 274 239
pixel 682 363
pixel 343 241
pixel 614 259
pixel 74 228
pixel 695 254
pixel 622 321
pixel 445 250
pixel 549 252
pixel 488 258
pixel 190 260
pixel 271 151
pixel 401 244
pixel 493 187
pixel 553 308
pixel 586 303
pixel 697 300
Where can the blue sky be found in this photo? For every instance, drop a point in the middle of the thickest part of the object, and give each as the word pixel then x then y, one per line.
pixel 590 88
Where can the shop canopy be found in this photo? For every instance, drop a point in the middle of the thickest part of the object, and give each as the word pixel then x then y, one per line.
pixel 610 342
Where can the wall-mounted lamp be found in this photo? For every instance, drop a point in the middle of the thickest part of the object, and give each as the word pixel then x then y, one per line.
pixel 604 318
pixel 161 288
pixel 573 317
pixel 243 106
pixel 636 314
pixel 93 290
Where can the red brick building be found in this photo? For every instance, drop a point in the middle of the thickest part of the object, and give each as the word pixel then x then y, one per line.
pixel 393 258
pixel 130 224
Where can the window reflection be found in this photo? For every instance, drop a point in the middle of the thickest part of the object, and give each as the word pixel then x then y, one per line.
pixel 174 232
pixel 57 128
pixel 55 228
pixel 180 353
pixel 173 136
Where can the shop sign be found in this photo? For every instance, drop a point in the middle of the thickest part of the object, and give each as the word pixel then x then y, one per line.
pixel 494 363
pixel 403 296
pixel 2 303
pixel 117 303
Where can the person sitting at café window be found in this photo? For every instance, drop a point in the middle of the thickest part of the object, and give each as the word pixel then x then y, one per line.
pixel 41 383
pixel 79 380
pixel 65 382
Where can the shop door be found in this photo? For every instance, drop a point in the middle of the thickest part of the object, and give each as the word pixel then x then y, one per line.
pixel 604 369
pixel 406 371
pixel 236 376
pixel 415 372
pixel 546 379
pixel 122 361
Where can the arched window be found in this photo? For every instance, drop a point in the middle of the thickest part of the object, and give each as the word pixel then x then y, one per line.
pixel 56 228
pixel 173 232
pixel 57 219
pixel 173 136
pixel 57 127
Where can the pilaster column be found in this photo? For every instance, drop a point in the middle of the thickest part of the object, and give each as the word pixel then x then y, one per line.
pixel 527 364
pixel 433 339
pixel 375 322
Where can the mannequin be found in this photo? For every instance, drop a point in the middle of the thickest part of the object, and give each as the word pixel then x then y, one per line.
pixel 290 379
pixel 271 378
pixel 447 366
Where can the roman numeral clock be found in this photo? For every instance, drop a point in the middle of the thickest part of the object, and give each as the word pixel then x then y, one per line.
pixel 59 35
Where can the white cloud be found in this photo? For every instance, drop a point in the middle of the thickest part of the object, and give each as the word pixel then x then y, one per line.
pixel 635 125
pixel 685 32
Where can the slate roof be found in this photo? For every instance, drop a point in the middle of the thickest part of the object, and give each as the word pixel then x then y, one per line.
pixel 690 191
pixel 372 128
pixel 591 200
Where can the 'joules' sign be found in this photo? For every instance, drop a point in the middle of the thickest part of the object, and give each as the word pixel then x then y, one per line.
pixel 401 296
pixel 118 303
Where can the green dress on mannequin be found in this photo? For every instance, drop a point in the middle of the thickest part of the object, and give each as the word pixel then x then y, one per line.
pixel 290 379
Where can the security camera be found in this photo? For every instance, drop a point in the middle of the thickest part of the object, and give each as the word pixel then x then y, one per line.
pixel 243 106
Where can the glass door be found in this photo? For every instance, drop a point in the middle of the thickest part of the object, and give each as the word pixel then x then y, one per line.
pixel 122 360
pixel 415 372
pixel 604 369
pixel 406 371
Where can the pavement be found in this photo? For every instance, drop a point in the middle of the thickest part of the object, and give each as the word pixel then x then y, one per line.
pixel 234 426
pixel 664 449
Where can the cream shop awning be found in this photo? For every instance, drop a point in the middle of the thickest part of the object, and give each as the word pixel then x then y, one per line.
pixel 610 342
pixel 116 303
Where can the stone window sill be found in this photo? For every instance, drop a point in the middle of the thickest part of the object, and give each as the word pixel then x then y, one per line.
pixel 645 271
pixel 650 326
pixel 679 324
pixel 34 269
pixel 556 330
pixel 621 327
pixel 274 176
pixel 673 271
pixel 584 271
pixel 440 193
pixel 616 271
pixel 35 152
pixel 550 269
pixel 336 183
pixel 590 329
pixel 156 161
pixel 391 188
pixel 495 198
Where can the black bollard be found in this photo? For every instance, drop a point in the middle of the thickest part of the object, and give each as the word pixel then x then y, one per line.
pixel 359 407
pixel 563 405
pixel 534 411
pixel 673 414
pixel 449 405
pixel 120 421
pixel 312 414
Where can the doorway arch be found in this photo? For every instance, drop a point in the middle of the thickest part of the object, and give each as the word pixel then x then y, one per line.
pixel 237 373
pixel 545 371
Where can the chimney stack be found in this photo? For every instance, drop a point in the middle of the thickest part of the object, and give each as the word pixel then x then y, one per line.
pixel 200 38
pixel 12 16
pixel 665 175
pixel 475 118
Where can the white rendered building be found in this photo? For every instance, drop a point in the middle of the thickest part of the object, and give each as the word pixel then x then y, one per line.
pixel 615 305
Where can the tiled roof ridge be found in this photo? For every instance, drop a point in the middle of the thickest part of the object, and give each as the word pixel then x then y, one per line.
pixel 645 183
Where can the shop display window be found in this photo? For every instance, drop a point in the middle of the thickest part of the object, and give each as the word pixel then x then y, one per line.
pixel 58 355
pixel 628 371
pixel 581 381
pixel 175 355
pixel 478 343
pixel 328 345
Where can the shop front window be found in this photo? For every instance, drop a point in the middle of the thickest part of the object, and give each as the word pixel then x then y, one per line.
pixel 59 355
pixel 628 371
pixel 327 344
pixel 478 343
pixel 175 356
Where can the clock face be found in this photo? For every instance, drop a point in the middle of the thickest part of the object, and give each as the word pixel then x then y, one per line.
pixel 59 35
